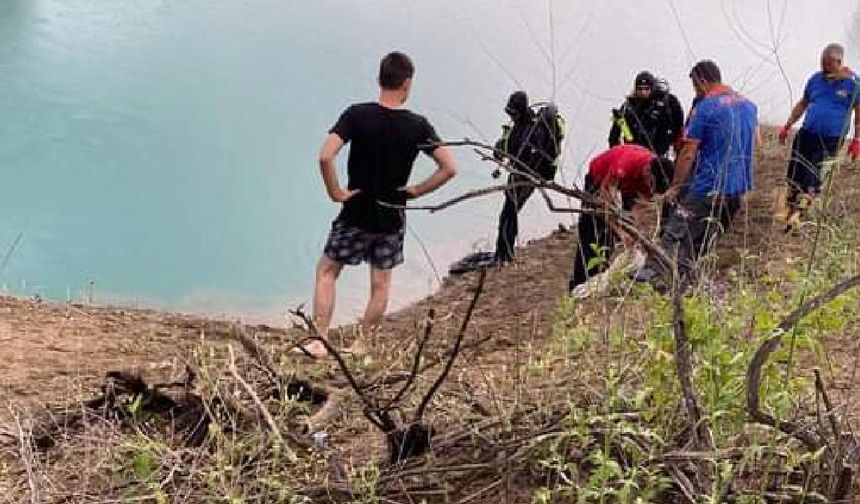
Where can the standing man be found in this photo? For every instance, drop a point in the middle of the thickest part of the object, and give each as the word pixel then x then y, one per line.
pixel 712 173
pixel 384 141
pixel 636 174
pixel 651 116
pixel 828 99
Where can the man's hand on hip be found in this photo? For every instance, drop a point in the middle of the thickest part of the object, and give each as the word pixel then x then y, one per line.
pixel 411 192
pixel 341 195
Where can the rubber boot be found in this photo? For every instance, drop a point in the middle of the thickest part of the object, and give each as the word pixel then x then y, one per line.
pixel 798 212
pixel 781 211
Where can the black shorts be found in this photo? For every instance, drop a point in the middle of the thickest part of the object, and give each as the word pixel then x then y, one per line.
pixel 350 245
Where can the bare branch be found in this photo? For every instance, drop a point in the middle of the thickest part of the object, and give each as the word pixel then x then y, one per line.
pixel 684 365
pixel 419 413
pixel 428 329
pixel 770 345
pixel 276 432
pixel 371 409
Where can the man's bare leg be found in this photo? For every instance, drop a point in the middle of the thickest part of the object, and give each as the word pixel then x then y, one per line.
pixel 380 288
pixel 324 297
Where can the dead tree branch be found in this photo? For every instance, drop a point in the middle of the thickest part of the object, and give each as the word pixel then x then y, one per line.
pixel 479 289
pixel 428 330
pixel 772 344
pixel 684 365
pixel 591 203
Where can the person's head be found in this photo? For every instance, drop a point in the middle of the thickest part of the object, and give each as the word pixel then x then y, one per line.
pixel 705 75
pixel 662 171
pixel 643 85
pixel 395 74
pixel 831 58
pixel 518 106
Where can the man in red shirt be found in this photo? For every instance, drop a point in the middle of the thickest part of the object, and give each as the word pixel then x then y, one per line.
pixel 631 171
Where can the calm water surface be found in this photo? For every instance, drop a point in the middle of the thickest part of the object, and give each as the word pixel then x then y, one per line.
pixel 162 152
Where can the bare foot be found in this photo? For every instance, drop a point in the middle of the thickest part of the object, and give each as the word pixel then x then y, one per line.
pixel 315 349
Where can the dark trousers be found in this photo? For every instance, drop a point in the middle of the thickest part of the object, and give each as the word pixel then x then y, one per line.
pixel 596 240
pixel 808 151
pixel 515 198
pixel 691 229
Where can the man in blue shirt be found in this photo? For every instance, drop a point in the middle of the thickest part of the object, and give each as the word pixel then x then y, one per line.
pixel 713 171
pixel 828 99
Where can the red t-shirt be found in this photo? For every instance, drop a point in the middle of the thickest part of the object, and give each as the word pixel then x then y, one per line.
pixel 628 166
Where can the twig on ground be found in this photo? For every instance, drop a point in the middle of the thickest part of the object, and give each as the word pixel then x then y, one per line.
pixel 264 411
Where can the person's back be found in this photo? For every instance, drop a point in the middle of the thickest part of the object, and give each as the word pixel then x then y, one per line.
pixel 624 166
pixel 725 123
pixel 384 140
pixel 384 143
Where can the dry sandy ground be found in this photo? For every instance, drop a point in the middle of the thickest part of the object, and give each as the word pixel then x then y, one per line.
pixel 53 352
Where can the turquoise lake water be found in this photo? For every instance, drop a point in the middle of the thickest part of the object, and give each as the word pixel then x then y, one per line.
pixel 163 152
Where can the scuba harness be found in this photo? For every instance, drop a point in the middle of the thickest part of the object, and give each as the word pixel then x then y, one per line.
pixel 621 121
pixel 536 139
pixel 660 89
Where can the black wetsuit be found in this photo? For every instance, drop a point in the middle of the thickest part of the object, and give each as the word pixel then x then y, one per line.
pixel 655 122
pixel 527 141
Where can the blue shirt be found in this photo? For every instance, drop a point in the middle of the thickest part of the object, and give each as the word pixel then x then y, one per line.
pixel 830 104
pixel 724 123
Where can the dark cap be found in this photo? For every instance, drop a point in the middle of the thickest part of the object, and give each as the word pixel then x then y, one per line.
pixel 644 78
pixel 706 70
pixel 518 104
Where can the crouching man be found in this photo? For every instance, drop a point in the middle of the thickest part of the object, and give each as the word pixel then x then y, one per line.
pixel 635 174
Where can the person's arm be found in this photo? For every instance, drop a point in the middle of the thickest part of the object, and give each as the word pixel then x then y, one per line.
pixel 445 171
pixel 607 199
pixel 857 122
pixel 328 152
pixel 854 146
pixel 796 112
pixel 676 117
pixel 615 129
pixel 640 208
pixel 614 133
pixel 683 167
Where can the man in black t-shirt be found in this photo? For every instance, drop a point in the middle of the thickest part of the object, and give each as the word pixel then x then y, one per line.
pixel 384 141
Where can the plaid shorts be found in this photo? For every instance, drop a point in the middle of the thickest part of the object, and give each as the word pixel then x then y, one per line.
pixel 350 245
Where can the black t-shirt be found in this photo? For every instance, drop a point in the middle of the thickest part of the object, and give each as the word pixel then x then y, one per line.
pixel 383 145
